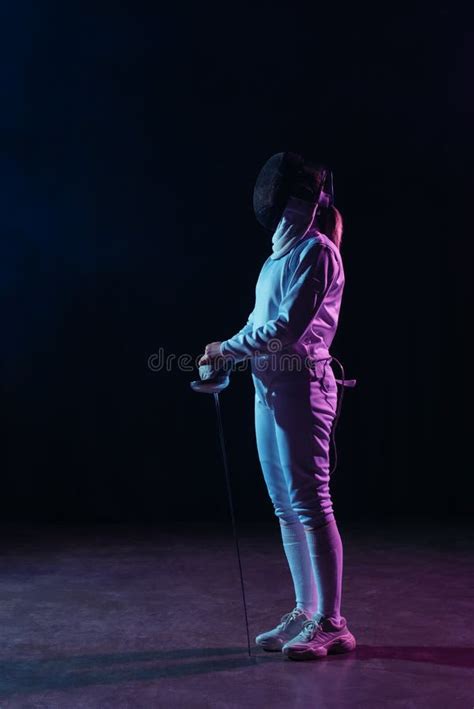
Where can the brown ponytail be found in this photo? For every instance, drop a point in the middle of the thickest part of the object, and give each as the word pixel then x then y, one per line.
pixel 329 222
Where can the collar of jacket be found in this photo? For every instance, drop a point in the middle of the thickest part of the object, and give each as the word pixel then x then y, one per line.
pixel 293 226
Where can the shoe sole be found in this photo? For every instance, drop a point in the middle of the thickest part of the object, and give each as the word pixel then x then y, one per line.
pixel 344 644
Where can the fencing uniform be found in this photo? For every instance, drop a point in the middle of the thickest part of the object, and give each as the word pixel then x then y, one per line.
pixel 288 336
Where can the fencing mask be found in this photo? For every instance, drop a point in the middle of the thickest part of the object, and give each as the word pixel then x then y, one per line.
pixel 286 175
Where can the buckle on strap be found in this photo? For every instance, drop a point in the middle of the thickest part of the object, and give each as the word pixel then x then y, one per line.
pixel 347 382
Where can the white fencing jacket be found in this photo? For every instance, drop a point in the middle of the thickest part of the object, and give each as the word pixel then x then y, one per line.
pixel 297 303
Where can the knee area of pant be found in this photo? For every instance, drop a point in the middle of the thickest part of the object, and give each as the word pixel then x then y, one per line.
pixel 318 525
pixel 317 520
pixel 287 518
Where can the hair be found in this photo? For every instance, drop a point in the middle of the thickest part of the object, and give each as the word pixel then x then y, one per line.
pixel 329 221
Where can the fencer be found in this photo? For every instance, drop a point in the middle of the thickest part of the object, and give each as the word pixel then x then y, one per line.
pixel 287 338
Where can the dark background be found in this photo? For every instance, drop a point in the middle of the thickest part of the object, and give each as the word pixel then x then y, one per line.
pixel 131 136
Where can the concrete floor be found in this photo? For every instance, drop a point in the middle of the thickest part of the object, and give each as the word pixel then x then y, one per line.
pixel 114 616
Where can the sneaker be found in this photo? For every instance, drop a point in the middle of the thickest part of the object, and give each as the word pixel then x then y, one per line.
pixel 290 624
pixel 320 637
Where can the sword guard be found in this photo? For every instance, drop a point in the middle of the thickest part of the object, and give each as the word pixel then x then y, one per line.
pixel 212 381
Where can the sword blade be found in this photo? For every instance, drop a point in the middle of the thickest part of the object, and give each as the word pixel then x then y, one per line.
pixel 232 513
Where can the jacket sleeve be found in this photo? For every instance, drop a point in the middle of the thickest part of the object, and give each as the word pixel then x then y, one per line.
pixel 315 271
pixel 246 330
